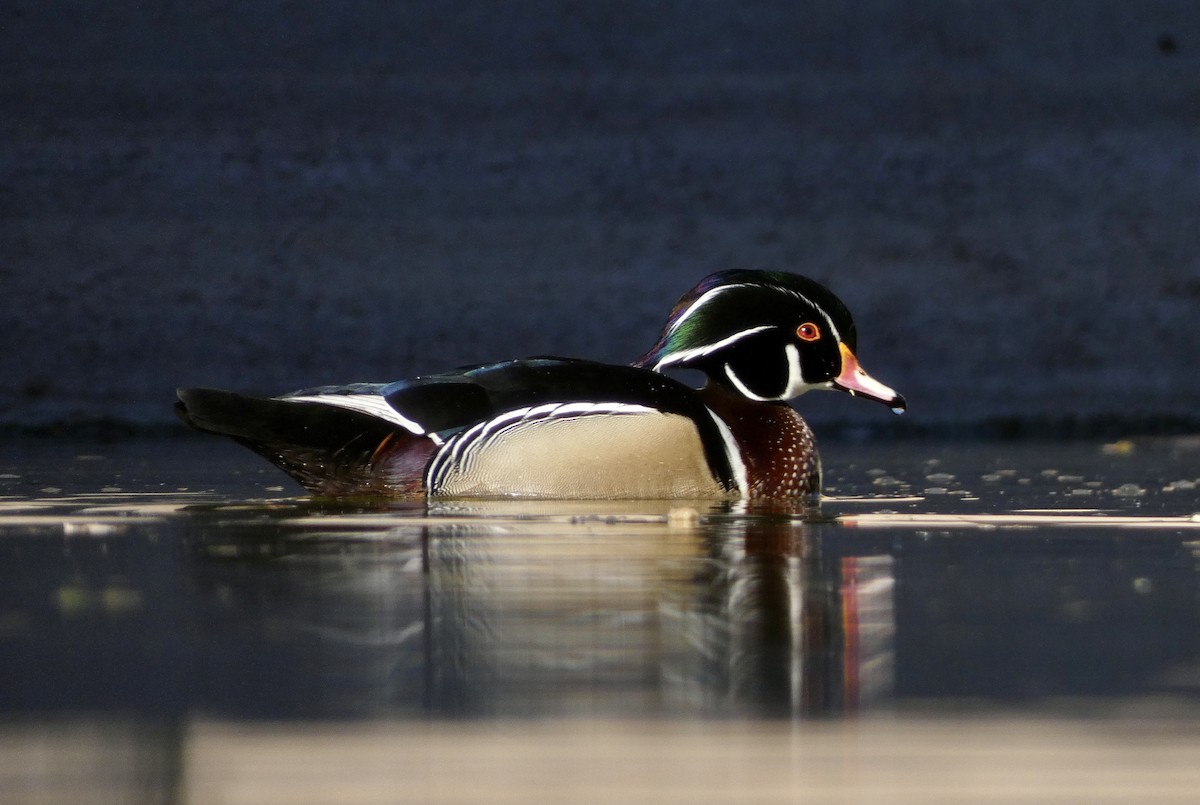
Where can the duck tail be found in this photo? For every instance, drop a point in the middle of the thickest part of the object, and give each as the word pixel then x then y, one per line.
pixel 330 451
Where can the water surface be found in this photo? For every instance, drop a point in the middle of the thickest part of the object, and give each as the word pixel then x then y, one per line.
pixel 157 598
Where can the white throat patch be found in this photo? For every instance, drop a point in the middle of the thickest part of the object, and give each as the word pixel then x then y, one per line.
pixel 795 380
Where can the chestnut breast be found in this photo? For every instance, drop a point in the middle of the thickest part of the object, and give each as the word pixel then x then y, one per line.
pixel 776 444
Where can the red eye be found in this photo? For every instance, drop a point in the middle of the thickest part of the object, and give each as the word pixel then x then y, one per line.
pixel 808 331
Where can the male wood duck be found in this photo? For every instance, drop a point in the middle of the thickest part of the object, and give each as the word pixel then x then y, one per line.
pixel 567 428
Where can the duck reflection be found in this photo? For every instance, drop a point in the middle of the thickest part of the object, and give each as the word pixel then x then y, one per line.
pixel 788 627
pixel 516 610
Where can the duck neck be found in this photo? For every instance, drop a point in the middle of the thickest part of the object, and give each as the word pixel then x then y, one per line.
pixel 774 441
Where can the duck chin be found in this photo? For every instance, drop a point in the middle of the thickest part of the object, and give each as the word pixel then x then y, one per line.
pixel 794 386
pixel 745 390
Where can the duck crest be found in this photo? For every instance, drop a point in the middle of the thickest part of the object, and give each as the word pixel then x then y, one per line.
pixel 776 444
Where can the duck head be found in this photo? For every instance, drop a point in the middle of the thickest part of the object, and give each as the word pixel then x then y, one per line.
pixel 768 336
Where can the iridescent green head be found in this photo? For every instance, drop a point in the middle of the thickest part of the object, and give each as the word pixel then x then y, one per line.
pixel 768 336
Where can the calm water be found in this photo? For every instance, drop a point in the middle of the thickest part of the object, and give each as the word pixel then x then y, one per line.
pixel 154 593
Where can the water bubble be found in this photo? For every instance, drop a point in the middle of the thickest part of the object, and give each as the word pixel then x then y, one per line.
pixel 991 477
pixel 1183 485
pixel 939 477
pixel 1128 491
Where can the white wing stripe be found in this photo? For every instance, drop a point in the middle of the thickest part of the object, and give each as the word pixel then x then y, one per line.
pixel 372 404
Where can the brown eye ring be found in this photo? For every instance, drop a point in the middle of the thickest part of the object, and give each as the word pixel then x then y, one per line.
pixel 808 331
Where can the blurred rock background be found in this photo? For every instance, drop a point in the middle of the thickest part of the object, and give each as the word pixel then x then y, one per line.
pixel 270 194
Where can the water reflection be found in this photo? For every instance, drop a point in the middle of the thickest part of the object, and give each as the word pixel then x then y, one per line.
pixel 92 760
pixel 783 626
pixel 144 628
pixel 290 609
pixel 503 612
pixel 479 611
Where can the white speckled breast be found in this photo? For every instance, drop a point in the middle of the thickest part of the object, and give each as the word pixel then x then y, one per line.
pixel 775 443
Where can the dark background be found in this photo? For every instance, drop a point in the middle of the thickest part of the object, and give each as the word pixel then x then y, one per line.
pixel 268 195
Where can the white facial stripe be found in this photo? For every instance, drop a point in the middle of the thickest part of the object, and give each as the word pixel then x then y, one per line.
pixel 707 297
pixel 704 299
pixel 371 404
pixel 832 329
pixel 689 354
pixel 795 384
pixel 741 387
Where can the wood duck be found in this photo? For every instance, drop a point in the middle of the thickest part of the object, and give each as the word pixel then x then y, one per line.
pixel 568 428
